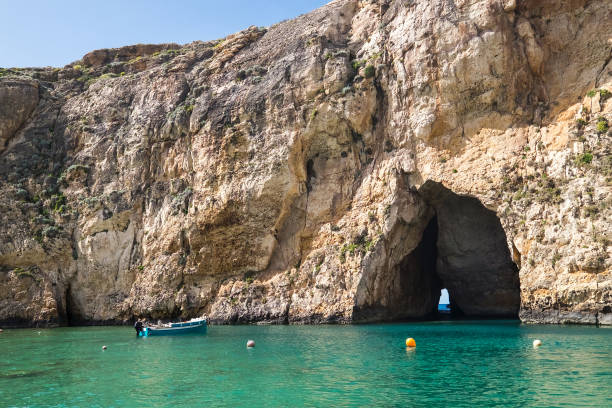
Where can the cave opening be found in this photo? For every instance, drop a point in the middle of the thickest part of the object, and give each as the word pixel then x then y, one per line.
pixel 419 282
pixel 71 315
pixel 444 308
pixel 473 261
pixel 68 315
pixel 464 250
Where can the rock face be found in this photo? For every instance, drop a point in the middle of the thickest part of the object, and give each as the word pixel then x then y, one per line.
pixel 23 97
pixel 343 166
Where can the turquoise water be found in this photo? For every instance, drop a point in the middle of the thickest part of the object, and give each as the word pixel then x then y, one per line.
pixel 455 364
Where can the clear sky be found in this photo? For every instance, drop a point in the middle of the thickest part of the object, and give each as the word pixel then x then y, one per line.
pixel 57 32
pixel 444 297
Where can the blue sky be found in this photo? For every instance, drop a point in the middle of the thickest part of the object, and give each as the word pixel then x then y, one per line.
pixel 444 297
pixel 57 32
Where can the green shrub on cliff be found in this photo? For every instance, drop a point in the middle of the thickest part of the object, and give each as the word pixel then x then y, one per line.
pixel 361 243
pixel 356 64
pixel 369 245
pixel 584 158
pixel 51 231
pixel 602 125
pixel 85 78
pixel 551 195
pixel 22 194
pixel 313 114
pixel 58 201
pixel 77 167
pixel 108 75
pixel 350 248
pixel 369 71
pixel 20 272
pixel 170 52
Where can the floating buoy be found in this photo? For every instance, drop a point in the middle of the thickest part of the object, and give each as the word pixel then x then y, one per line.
pixel 0 330
pixel 103 347
pixel 410 342
pixel 537 343
pixel 250 344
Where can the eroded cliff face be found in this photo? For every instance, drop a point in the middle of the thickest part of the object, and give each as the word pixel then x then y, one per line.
pixel 339 167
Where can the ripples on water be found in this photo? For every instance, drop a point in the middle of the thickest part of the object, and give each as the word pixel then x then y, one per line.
pixel 455 364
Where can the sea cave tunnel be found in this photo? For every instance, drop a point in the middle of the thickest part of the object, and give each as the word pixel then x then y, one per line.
pixel 463 249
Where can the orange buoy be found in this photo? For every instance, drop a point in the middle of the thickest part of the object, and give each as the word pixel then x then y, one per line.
pixel 410 342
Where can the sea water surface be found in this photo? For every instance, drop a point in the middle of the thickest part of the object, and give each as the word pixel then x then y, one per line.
pixel 455 364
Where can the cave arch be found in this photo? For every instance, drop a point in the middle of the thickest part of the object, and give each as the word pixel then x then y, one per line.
pixel 462 248
pixel 473 260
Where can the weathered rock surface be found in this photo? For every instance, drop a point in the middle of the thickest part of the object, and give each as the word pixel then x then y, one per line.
pixel 342 166
pixel 23 97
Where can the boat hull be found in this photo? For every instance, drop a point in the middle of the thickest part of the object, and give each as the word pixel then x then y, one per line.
pixel 175 329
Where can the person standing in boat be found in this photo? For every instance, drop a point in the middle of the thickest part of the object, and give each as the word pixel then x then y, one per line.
pixel 138 326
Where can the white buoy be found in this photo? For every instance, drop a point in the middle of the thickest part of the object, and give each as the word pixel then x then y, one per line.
pixel 250 344
pixel 103 347
pixel 537 343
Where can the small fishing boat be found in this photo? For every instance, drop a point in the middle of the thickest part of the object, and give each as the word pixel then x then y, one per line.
pixel 191 326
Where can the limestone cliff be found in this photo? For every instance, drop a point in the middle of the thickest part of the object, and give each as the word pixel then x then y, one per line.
pixel 339 167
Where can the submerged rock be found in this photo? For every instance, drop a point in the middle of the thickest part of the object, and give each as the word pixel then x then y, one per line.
pixel 342 166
